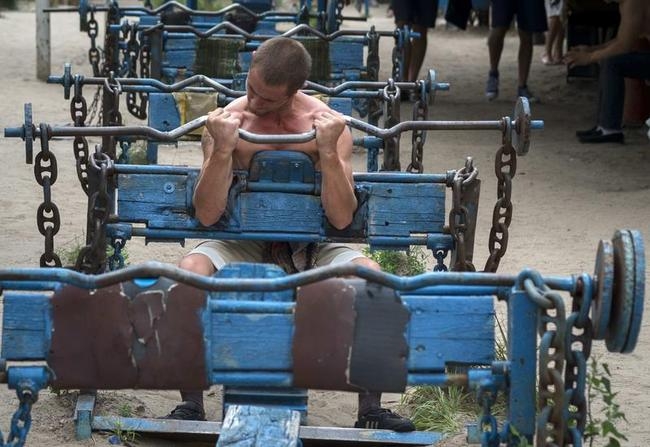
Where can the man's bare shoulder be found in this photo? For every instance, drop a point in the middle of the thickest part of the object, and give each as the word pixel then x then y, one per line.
pixel 237 105
pixel 313 105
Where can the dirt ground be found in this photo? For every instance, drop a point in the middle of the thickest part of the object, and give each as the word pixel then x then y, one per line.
pixel 567 196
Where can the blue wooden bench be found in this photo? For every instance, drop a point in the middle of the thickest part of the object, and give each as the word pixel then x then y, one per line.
pixel 253 326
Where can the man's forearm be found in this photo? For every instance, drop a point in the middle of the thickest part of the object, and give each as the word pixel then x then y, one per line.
pixel 337 193
pixel 211 191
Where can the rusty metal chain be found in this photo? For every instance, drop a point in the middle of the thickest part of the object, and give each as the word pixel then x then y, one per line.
pixel 92 257
pixel 440 256
pixel 488 422
pixel 398 56
pixel 420 113
pixel 111 41
pixel 459 219
pixel 95 106
pixel 552 324
pixel 579 336
pixel 116 259
pixel 372 67
pixel 133 55
pixel 505 167
pixel 78 112
pixel 391 95
pixel 48 219
pixel 93 53
pixel 113 87
pixel 21 421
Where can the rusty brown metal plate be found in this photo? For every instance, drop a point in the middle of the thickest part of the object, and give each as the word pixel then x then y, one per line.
pixel 324 330
pixel 350 336
pixel 125 336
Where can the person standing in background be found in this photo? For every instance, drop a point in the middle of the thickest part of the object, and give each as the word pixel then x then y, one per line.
pixel 419 16
pixel 531 18
pixel 555 11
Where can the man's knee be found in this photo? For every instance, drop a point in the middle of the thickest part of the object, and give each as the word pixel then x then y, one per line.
pixel 367 262
pixel 198 263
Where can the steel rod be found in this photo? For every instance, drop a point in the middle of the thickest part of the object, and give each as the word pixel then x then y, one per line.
pixel 175 134
pixel 153 269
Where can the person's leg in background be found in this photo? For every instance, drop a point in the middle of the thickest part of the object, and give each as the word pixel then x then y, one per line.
pixel 554 49
pixel 206 259
pixel 531 18
pixel 613 72
pixel 502 13
pixel 370 413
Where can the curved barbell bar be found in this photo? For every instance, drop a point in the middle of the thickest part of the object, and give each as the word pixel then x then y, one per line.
pixel 519 126
pixel 197 83
pixel 301 28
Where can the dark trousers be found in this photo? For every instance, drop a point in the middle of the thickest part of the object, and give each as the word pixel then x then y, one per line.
pixel 613 72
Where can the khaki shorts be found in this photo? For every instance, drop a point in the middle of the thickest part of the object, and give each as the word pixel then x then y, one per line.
pixel 226 252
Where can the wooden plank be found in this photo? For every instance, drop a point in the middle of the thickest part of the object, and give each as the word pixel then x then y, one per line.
pixel 457 329
pixel 25 326
pixel 282 212
pixel 346 53
pixel 402 209
pixel 249 342
pixel 251 426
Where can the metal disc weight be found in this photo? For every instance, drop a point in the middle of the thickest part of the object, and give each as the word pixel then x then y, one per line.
pixel 521 130
pixel 627 298
pixel 602 303
pixel 639 291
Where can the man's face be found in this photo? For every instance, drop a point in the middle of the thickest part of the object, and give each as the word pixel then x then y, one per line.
pixel 263 98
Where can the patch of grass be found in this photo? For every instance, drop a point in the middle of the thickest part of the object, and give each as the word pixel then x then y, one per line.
pixel 438 409
pixel 125 410
pixel 413 262
pixel 69 251
pixel 603 424
pixel 125 437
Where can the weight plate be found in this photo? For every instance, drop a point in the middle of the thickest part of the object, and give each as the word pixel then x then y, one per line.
pixel 521 130
pixel 29 132
pixel 639 291
pixel 431 85
pixel 623 297
pixel 602 304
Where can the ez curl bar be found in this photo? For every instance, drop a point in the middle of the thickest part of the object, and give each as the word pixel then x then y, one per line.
pixel 516 128
pixel 205 84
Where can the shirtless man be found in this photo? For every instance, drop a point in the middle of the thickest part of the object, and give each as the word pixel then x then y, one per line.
pixel 274 105
pixel 618 59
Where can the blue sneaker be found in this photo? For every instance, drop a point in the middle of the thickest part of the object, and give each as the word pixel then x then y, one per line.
pixel 492 87
pixel 526 93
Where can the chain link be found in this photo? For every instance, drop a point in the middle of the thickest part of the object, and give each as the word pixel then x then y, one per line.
pixel 440 256
pixel 92 257
pixel 116 260
pixel 391 95
pixel 48 219
pixel 93 52
pixel 552 324
pixel 579 333
pixel 505 167
pixel 459 220
pixel 398 56
pixel 488 422
pixel 135 54
pixel 21 421
pixel 78 112
pixel 420 113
